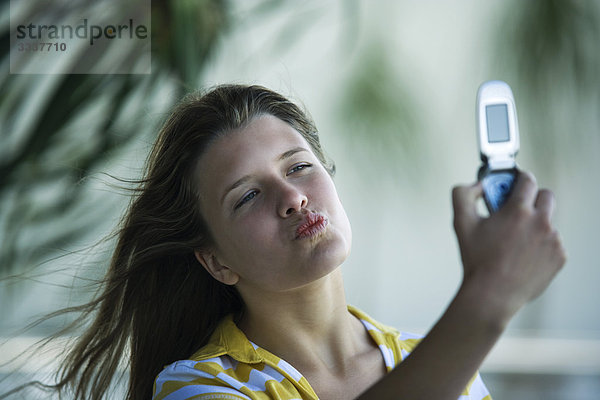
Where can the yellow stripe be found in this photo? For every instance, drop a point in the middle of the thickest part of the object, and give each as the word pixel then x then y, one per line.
pixel 216 396
pixel 169 387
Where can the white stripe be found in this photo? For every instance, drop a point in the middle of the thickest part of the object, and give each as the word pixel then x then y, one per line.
pixel 478 391
pixel 290 370
pixel 272 373
pixel 388 355
pixel 404 354
pixel 369 326
pixel 224 362
pixel 230 381
pixel 257 380
pixel 179 371
pixel 193 390
pixel 408 335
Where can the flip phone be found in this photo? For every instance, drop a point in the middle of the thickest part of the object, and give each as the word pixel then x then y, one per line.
pixel 498 137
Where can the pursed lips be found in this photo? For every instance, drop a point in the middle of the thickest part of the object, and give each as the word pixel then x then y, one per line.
pixel 312 224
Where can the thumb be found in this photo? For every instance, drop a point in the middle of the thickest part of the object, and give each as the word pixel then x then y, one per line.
pixel 464 201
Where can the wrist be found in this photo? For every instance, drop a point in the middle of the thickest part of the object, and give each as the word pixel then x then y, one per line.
pixel 485 304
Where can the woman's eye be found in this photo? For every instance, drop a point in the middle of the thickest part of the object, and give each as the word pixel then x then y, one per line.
pixel 299 167
pixel 246 199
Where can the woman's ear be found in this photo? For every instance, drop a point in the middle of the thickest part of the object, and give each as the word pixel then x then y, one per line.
pixel 220 272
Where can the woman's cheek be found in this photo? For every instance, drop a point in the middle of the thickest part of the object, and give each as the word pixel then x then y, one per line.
pixel 252 227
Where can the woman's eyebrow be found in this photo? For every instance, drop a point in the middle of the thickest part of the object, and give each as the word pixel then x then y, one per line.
pixel 237 183
pixel 246 178
pixel 291 152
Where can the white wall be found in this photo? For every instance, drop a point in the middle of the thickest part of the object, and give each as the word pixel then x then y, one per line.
pixel 404 267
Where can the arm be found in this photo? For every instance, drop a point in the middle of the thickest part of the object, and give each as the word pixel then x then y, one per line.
pixel 508 259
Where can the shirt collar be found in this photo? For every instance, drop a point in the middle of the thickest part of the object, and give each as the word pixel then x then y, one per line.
pixel 228 339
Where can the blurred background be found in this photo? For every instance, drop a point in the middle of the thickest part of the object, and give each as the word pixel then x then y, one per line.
pixel 391 85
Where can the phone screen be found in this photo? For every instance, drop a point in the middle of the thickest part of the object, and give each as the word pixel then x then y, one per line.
pixel 497 123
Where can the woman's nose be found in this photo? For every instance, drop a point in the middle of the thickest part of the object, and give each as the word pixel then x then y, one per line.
pixel 291 200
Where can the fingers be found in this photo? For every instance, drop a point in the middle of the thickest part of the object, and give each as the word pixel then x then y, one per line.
pixel 562 252
pixel 525 196
pixel 545 202
pixel 464 201
pixel 524 192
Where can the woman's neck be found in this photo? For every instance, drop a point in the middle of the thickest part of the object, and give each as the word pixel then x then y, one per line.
pixel 309 327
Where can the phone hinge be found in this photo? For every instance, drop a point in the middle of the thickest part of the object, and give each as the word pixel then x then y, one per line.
pixel 501 163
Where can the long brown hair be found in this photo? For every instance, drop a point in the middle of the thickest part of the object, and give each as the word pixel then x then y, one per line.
pixel 157 304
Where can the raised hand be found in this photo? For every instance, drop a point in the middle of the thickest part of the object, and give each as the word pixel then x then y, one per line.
pixel 513 255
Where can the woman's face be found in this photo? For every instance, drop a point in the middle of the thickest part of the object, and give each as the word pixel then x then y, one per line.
pixel 272 209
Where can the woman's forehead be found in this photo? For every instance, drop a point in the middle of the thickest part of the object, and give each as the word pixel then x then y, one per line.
pixel 263 140
pixel 262 135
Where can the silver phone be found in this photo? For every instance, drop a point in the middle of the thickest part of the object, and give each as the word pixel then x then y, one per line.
pixel 498 137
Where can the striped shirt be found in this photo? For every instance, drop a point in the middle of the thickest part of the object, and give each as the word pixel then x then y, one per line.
pixel 231 367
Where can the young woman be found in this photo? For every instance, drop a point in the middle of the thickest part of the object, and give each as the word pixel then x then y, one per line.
pixel 226 280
